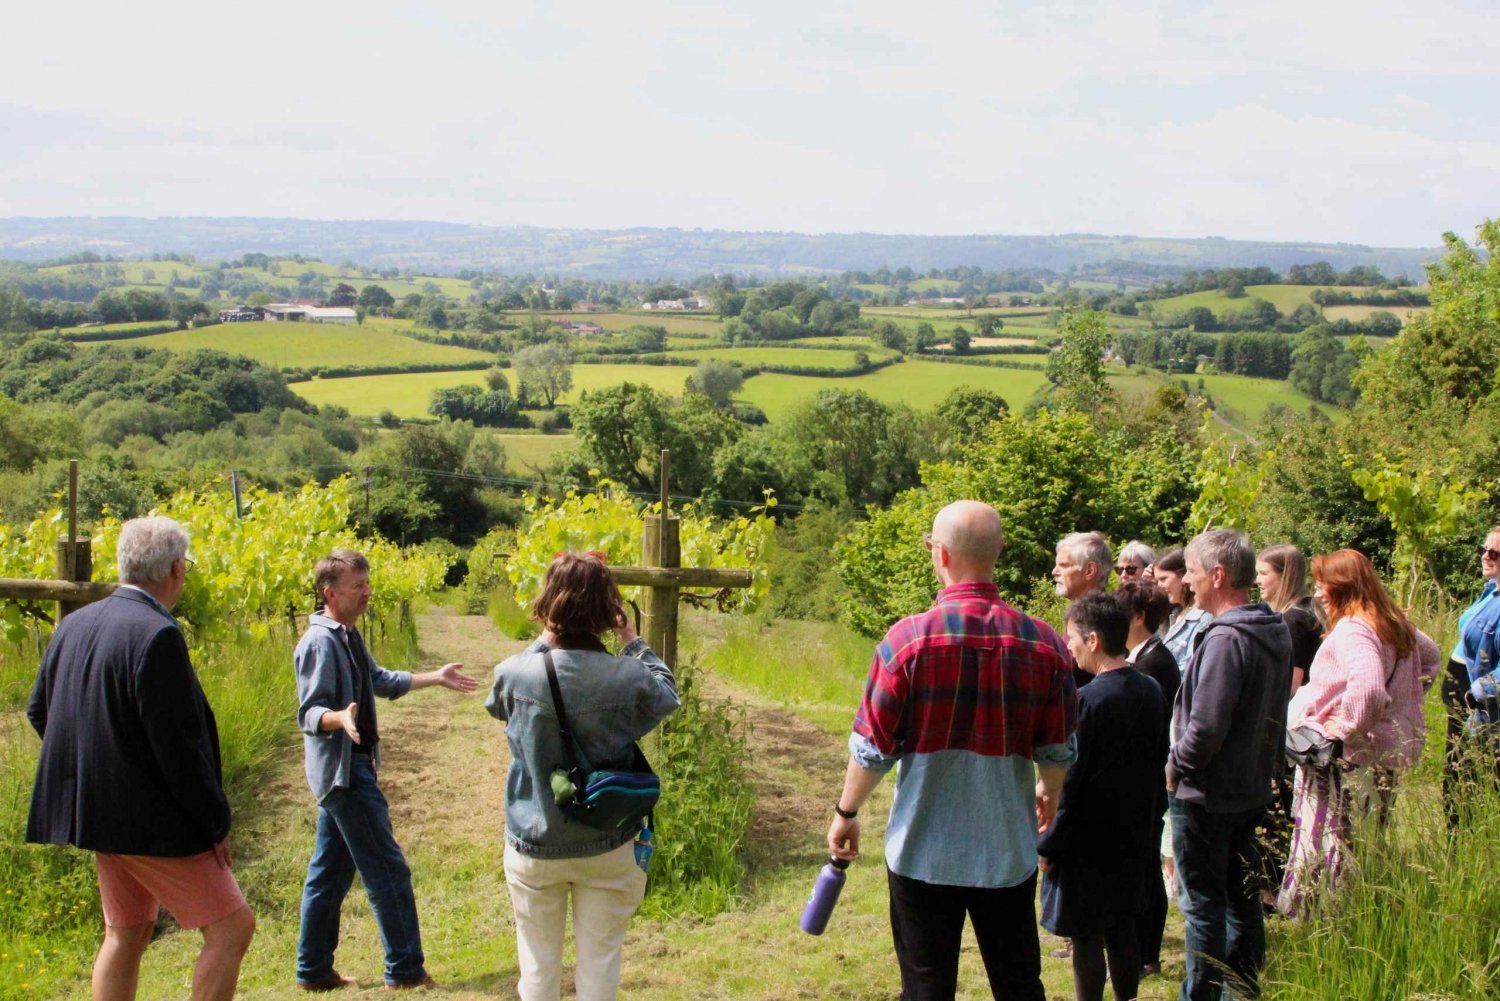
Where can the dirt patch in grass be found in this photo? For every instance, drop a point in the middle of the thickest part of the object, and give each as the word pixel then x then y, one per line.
pixel 443 768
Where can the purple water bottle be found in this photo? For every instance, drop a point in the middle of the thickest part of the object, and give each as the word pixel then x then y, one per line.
pixel 825 894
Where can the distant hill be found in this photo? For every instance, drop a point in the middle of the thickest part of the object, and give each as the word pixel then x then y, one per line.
pixel 444 248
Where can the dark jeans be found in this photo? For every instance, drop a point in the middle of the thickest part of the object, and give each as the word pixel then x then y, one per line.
pixel 927 922
pixel 1224 932
pixel 354 833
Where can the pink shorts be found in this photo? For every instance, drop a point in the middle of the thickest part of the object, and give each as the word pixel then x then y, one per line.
pixel 195 890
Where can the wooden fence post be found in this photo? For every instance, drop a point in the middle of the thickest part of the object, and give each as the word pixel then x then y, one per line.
pixel 661 547
pixel 75 560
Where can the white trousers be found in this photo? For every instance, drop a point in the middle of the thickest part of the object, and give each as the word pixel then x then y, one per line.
pixel 606 890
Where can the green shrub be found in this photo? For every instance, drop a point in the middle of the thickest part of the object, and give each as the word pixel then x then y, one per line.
pixel 704 813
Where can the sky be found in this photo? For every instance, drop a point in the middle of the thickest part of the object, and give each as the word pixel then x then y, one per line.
pixel 1370 122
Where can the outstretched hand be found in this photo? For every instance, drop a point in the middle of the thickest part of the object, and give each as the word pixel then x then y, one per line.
pixel 452 676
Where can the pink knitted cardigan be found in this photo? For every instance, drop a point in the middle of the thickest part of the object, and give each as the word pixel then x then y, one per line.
pixel 1347 697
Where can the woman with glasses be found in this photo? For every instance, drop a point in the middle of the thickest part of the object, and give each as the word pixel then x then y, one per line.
pixel 611 700
pixel 1133 561
pixel 1365 690
pixel 1471 684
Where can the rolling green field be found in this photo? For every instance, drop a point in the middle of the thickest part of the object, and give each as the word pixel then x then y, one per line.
pixel 933 314
pixel 302 345
pixel 919 384
pixel 1356 313
pixel 524 451
pixel 672 323
pixel 1284 297
pixel 811 358
pixel 1246 398
pixel 408 395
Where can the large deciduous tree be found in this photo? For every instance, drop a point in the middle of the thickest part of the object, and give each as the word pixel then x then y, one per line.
pixel 545 369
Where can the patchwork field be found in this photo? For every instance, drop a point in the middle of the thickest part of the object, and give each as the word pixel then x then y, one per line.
pixel 919 384
pixel 302 345
pixel 1356 313
pixel 672 323
pixel 1284 297
pixel 525 453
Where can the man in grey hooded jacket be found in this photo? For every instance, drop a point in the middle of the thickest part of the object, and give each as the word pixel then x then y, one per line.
pixel 1228 730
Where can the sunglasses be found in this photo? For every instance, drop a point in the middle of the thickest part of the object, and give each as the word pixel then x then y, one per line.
pixel 1129 571
pixel 1485 552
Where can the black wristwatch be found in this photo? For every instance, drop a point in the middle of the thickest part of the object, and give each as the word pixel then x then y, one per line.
pixel 846 814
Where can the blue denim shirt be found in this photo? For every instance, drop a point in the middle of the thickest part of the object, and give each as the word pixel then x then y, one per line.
pixel 611 701
pixel 325 682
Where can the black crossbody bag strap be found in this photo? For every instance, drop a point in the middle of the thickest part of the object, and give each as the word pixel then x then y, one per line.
pixel 572 754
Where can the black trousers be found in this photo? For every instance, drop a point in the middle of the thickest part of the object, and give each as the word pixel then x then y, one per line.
pixel 1151 924
pixel 927 923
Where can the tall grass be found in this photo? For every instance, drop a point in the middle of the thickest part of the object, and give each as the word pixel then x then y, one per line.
pixel 1416 916
pixel 704 812
pixel 815 668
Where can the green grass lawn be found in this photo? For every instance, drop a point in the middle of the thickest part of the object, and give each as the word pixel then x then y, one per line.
pixel 301 345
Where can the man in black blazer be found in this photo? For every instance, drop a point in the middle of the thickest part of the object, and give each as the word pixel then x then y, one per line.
pixel 130 770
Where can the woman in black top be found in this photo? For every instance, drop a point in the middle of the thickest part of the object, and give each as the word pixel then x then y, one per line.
pixel 1281 576
pixel 1148 607
pixel 1094 853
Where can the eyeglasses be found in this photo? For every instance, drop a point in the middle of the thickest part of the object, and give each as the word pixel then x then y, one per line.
pixel 930 542
pixel 187 566
pixel 1129 571
pixel 1485 552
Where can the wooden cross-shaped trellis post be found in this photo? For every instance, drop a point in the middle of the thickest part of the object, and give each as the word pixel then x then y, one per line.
pixel 664 576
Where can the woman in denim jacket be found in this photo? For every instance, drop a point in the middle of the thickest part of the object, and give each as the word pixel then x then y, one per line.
pixel 1187 619
pixel 1472 681
pixel 611 702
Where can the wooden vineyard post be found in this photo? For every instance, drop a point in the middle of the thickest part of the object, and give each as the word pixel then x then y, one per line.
pixel 661 548
pixel 74 559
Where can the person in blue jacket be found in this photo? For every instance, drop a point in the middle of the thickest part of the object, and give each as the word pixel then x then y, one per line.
pixel 1471 686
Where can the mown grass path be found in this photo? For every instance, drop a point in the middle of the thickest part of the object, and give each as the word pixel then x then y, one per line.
pixel 443 772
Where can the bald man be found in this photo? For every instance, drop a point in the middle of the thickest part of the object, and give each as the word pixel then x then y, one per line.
pixel 972 699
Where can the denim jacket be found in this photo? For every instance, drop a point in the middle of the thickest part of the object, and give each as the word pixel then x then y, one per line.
pixel 1180 633
pixel 611 701
pixel 1479 648
pixel 325 682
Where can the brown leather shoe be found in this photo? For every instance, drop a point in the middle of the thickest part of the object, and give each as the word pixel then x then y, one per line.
pixel 408 985
pixel 332 982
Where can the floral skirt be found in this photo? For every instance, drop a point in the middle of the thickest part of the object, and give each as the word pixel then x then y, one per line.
pixel 1328 806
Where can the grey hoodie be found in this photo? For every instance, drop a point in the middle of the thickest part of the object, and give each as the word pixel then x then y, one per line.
pixel 1229 718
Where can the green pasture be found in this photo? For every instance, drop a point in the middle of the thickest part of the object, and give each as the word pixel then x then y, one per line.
pixel 919 384
pixel 524 453
pixel 780 355
pixel 1357 313
pixel 672 323
pixel 121 329
pixel 302 345
pixel 408 395
pixel 932 313
pixel 856 340
pixel 1243 399
pixel 1284 297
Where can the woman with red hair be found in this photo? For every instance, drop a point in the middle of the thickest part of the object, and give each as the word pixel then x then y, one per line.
pixel 1364 689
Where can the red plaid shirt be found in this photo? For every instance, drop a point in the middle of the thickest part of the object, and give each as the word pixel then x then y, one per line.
pixel 973 674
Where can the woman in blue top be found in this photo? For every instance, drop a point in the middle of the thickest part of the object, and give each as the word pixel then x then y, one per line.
pixel 611 701
pixel 1471 687
pixel 1187 619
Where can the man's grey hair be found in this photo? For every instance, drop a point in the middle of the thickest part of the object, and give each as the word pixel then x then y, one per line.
pixel 1087 547
pixel 1137 551
pixel 147 549
pixel 1227 548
